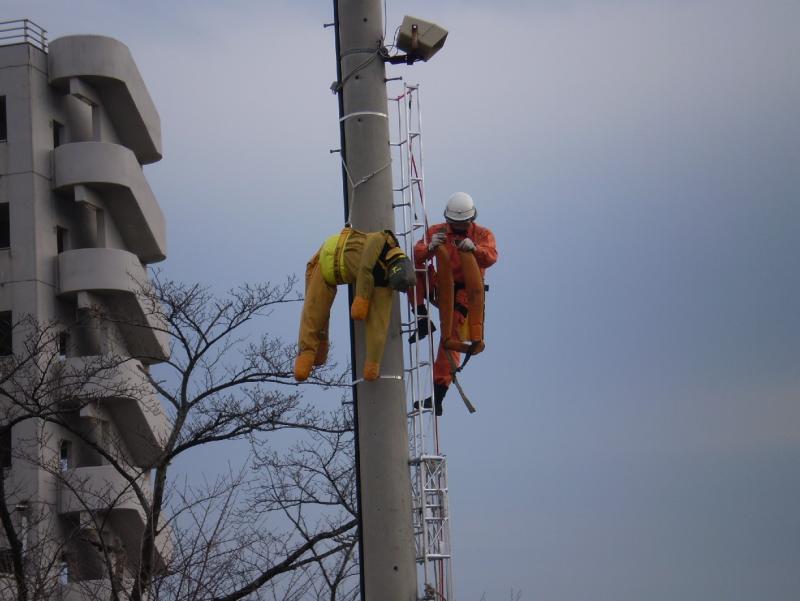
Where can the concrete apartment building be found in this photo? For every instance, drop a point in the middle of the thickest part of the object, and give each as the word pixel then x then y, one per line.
pixel 78 226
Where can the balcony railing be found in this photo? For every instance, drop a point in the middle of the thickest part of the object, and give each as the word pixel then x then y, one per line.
pixel 102 488
pixel 114 171
pixel 107 66
pixel 127 395
pixel 119 277
pixel 23 31
pixel 98 590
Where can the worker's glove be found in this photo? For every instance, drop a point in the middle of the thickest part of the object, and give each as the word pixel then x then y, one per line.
pixel 437 240
pixel 466 245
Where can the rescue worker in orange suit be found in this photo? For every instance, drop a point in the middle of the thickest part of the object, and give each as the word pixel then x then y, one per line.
pixel 469 249
pixel 377 266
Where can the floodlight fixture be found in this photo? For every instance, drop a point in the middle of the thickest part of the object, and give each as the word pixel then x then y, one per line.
pixel 419 39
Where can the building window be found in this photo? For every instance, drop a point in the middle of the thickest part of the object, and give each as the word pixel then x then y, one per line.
pixel 63 455
pixel 58 134
pixel 5 225
pixel 63 571
pixel 6 327
pixel 61 239
pixel 3 120
pixel 63 344
pixel 5 448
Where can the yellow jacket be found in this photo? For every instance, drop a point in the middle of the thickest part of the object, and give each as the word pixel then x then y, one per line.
pixel 360 258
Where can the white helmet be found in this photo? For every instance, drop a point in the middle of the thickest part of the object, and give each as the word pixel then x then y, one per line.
pixel 460 207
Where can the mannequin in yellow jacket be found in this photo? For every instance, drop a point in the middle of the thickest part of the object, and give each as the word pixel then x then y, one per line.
pixel 377 266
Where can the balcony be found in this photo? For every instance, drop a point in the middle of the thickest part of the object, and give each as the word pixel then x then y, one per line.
pixel 124 391
pixel 102 488
pixel 114 172
pixel 97 590
pixel 117 277
pixel 107 65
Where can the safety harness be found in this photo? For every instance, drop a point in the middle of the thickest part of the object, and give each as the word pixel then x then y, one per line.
pixel 334 269
pixel 331 258
pixel 391 251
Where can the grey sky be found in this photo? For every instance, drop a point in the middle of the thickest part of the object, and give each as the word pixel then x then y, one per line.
pixel 638 433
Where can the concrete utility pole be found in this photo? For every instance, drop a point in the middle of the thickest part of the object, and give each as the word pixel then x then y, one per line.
pixel 388 569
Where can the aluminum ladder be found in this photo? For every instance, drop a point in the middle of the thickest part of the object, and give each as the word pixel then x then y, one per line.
pixel 428 465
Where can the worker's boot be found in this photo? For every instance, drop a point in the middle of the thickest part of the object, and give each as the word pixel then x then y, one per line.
pixel 439 390
pixel 422 325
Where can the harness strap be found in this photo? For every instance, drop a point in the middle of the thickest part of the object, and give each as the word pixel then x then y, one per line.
pixel 338 257
pixel 460 286
pixel 471 351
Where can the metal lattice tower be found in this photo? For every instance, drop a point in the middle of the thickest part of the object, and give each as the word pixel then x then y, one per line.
pixel 431 515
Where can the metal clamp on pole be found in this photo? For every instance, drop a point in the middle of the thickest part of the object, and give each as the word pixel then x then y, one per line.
pixel 360 113
pixel 360 380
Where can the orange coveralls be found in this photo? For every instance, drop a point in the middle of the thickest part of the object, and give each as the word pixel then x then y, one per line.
pixel 350 257
pixel 485 255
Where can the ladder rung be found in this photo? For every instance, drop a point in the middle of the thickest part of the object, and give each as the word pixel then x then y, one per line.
pixel 422 458
pixel 432 457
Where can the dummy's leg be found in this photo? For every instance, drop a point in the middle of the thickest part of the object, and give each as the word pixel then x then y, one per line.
pixel 321 355
pixel 377 328
pixel 314 319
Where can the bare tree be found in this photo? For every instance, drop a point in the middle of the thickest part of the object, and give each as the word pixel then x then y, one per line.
pixel 36 388
pixel 314 477
pixel 134 517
